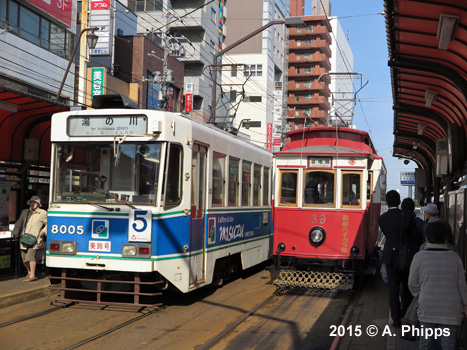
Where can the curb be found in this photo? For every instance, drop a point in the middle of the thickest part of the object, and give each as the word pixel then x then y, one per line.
pixel 27 295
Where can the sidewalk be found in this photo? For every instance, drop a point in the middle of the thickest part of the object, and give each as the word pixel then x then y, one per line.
pixel 15 291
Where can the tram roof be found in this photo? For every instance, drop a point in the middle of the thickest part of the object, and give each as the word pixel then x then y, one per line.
pixel 326 151
pixel 427 43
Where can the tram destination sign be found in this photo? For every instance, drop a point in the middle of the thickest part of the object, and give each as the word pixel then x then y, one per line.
pixel 107 125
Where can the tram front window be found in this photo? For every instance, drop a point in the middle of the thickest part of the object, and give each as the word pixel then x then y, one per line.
pixel 319 188
pixel 100 173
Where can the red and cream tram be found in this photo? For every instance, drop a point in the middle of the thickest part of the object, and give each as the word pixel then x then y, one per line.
pixel 329 186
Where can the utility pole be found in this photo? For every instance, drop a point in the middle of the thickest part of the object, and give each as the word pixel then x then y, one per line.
pixel 83 55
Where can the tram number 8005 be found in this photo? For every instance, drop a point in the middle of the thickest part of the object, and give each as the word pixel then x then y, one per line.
pixel 71 229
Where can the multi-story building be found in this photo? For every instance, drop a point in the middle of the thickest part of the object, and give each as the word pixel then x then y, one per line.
pixel 199 26
pixel 259 65
pixel 309 58
pixel 319 88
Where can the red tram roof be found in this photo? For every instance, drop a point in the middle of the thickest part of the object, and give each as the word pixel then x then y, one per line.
pixel 329 140
pixel 426 59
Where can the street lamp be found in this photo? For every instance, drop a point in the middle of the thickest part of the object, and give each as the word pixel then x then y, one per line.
pixel 289 22
pixel 91 41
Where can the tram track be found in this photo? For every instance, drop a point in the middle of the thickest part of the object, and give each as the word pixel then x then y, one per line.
pixel 221 339
pixel 34 315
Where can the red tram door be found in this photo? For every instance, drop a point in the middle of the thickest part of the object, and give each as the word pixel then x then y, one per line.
pixel 198 214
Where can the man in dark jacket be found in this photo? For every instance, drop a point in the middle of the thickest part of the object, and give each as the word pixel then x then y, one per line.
pixel 401 244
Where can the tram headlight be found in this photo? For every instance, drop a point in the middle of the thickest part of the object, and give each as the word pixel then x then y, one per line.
pixel 129 250
pixel 68 248
pixel 317 235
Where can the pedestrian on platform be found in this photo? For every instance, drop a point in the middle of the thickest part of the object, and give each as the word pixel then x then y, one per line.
pixel 409 205
pixel 401 233
pixel 431 212
pixel 437 277
pixel 34 222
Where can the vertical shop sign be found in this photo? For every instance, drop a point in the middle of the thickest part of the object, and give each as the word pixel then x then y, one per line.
pixel 97 76
pixel 189 97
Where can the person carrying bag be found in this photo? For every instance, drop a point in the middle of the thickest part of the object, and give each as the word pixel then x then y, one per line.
pixel 31 230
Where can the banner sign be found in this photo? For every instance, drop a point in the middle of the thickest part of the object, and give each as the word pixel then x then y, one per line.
pixel 101 16
pixel 61 10
pixel 189 97
pixel 97 81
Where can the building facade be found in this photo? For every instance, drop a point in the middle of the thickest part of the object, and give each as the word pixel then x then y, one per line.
pixel 257 68
pixel 199 27
pixel 309 61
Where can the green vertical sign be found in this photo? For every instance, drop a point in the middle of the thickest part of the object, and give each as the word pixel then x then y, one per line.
pixel 97 81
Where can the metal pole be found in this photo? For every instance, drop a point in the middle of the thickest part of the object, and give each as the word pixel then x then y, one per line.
pixel 214 62
pixel 71 59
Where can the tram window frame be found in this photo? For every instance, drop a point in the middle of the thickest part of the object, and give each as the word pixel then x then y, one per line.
pixel 234 184
pixel 170 181
pixel 360 198
pixel 319 204
pixel 256 185
pixel 265 187
pixel 246 183
pixel 288 204
pixel 369 184
pixel 218 198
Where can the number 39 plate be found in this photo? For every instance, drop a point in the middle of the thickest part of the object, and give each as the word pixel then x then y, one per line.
pixel 140 226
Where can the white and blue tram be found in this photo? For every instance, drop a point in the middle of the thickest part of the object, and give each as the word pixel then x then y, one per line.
pixel 143 200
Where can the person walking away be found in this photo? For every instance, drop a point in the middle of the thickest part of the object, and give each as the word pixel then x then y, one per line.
pixel 437 277
pixel 34 222
pixel 431 212
pixel 401 232
pixel 409 205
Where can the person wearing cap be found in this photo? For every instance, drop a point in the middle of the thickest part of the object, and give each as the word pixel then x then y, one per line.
pixel 431 212
pixel 34 222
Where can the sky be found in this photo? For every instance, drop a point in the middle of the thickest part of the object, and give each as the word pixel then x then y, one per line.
pixel 363 22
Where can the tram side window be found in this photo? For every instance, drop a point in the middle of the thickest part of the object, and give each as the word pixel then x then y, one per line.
pixel 233 182
pixel 256 184
pixel 319 188
pixel 351 189
pixel 246 184
pixel 288 189
pixel 218 180
pixel 266 187
pixel 369 186
pixel 174 176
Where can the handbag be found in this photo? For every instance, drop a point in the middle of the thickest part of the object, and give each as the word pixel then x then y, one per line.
pixel 28 240
pixel 411 318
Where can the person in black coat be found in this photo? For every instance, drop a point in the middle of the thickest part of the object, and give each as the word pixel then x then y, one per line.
pixel 401 244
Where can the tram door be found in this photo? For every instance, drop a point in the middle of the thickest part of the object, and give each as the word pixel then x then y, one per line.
pixel 198 217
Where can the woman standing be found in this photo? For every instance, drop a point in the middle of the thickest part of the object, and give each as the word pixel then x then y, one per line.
pixel 34 222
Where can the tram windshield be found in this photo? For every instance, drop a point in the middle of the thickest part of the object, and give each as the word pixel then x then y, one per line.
pixel 102 173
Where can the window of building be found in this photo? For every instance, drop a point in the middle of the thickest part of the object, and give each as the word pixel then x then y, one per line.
pixel 297 84
pixel 297 112
pixel 307 96
pixel 36 29
pixel 310 28
pixel 254 99
pixel 233 182
pixel 213 15
pixel 308 70
pixel 308 55
pixel 309 41
pixel 29 25
pixel 253 69
pixel 297 98
pixel 299 56
pixel 297 69
pixel 308 83
pixel 299 43
pixel 218 180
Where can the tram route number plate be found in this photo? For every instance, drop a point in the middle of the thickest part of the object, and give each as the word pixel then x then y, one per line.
pixel 107 125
